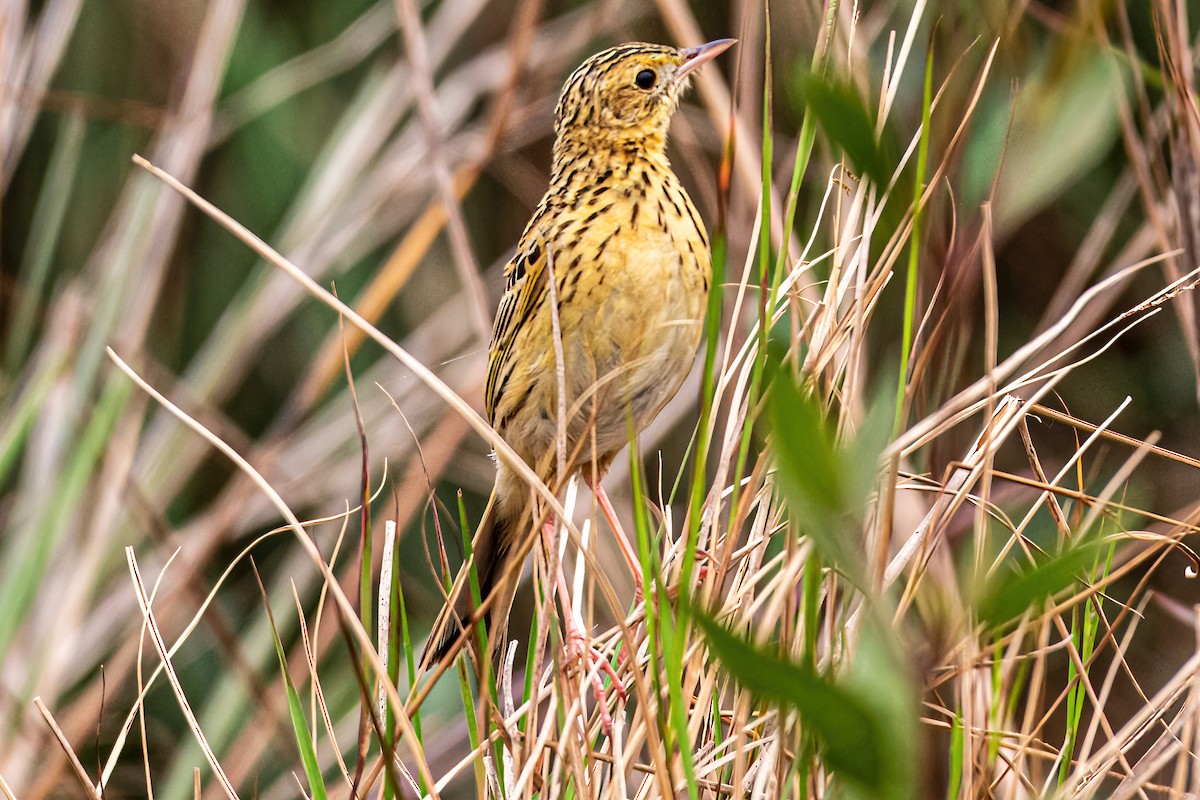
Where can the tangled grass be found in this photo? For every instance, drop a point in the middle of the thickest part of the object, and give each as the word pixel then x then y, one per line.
pixel 882 555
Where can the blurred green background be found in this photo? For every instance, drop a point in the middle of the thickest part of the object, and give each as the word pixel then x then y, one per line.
pixel 298 119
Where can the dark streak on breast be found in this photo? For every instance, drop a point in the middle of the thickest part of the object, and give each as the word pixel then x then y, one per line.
pixel 515 407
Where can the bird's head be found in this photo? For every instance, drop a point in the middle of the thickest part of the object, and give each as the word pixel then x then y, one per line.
pixel 627 94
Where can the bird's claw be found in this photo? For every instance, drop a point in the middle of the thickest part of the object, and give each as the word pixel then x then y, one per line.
pixel 596 665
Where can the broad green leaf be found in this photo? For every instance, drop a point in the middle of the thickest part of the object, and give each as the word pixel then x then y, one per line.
pixel 827 484
pixel 862 454
pixel 843 115
pixel 848 729
pixel 804 445
pixel 1013 591
pixel 880 679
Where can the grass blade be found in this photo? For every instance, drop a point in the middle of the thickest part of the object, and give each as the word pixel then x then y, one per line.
pixel 304 737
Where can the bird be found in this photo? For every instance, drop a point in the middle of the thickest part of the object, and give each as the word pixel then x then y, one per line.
pixel 629 258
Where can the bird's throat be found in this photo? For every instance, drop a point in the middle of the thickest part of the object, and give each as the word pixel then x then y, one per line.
pixel 580 161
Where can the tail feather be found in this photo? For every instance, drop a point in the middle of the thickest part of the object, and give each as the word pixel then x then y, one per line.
pixel 441 643
pixel 490 547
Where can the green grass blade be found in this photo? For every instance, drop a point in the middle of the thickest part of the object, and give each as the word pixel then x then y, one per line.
pixel 304 737
pixel 957 744
pixel 17 419
pixel 25 558
pixel 914 249
pixel 44 235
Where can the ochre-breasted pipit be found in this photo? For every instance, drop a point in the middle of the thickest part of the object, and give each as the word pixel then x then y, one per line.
pixel 629 257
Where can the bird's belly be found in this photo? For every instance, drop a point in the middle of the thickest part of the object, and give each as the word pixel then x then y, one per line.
pixel 630 348
pixel 631 301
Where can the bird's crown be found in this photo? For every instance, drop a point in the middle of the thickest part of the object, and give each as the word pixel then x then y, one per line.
pixel 629 92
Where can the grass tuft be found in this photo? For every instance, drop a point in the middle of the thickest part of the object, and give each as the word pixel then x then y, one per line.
pixel 978 585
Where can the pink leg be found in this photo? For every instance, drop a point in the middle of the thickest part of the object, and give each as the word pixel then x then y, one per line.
pixel 610 514
pixel 576 637
pixel 631 558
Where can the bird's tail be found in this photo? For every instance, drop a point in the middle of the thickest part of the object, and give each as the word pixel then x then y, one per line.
pixel 491 548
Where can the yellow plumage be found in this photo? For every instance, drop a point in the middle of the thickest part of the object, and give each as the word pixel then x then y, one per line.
pixel 630 259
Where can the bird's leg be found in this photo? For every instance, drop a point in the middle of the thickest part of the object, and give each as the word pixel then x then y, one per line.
pixel 594 482
pixel 575 638
pixel 635 565
pixel 610 514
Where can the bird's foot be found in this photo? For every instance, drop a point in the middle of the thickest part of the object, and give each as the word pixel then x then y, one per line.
pixel 702 573
pixel 596 665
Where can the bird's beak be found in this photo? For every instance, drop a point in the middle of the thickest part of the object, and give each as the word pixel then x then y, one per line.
pixel 696 57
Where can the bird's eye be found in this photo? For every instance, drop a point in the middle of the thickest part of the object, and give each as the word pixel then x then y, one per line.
pixel 645 79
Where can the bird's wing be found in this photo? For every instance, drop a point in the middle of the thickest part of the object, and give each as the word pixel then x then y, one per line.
pixel 524 293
